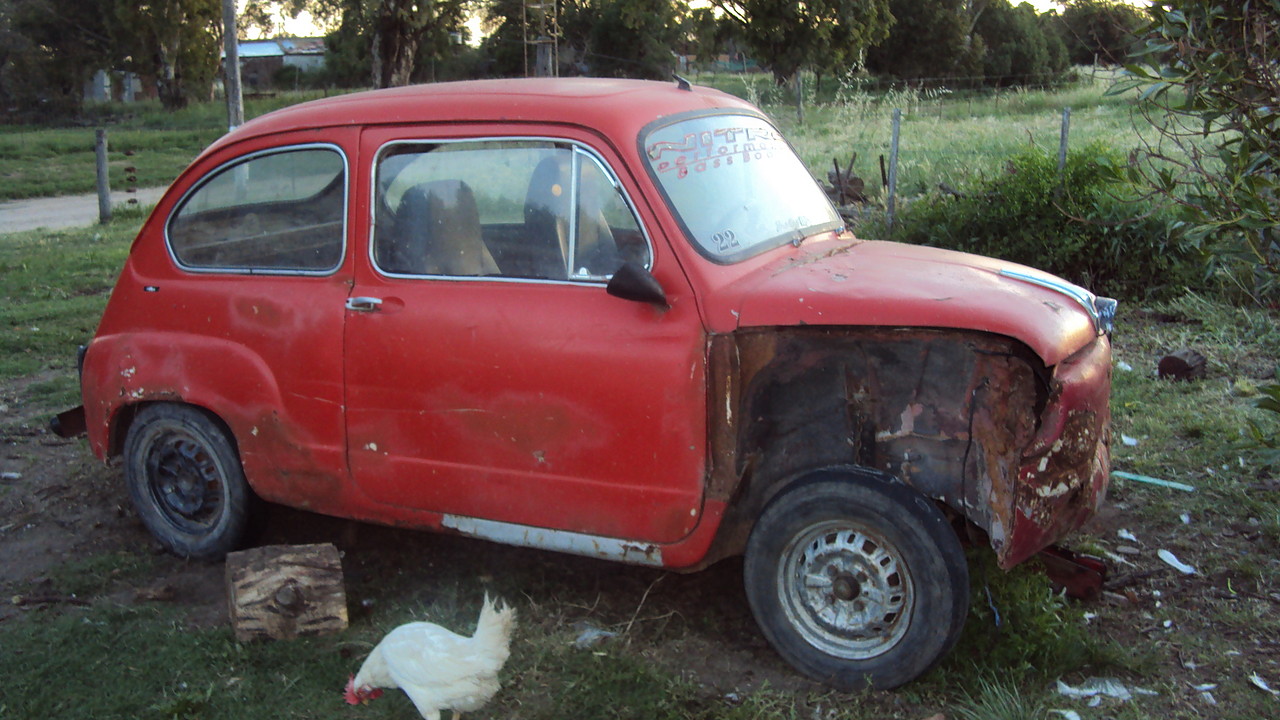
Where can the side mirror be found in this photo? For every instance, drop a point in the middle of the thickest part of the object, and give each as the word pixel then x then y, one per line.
pixel 632 282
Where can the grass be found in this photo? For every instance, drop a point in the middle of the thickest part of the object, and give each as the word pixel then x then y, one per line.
pixel 55 288
pixel 157 145
pixel 945 140
pixel 114 660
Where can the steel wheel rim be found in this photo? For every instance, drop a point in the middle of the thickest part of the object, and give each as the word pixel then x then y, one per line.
pixel 185 482
pixel 846 590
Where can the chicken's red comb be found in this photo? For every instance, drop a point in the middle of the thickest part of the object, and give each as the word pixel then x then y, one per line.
pixel 357 696
pixel 349 694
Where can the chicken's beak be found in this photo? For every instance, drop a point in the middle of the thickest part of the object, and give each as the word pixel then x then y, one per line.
pixel 359 696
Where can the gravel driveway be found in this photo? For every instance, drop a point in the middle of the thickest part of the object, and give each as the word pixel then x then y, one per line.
pixel 67 211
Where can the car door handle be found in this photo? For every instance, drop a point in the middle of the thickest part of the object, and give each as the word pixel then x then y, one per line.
pixel 364 304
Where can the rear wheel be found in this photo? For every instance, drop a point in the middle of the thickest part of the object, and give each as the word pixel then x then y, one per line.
pixel 185 479
pixel 856 580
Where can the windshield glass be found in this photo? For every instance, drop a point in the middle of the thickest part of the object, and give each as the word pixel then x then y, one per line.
pixel 736 185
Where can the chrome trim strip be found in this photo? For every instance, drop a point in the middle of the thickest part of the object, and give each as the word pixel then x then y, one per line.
pixel 557 540
pixel 1101 310
pixel 574 145
pixel 239 160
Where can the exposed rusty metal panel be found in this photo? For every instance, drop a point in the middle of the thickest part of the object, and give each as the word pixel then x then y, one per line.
pixel 1066 469
pixel 953 414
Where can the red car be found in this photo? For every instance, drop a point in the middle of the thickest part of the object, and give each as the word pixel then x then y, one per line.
pixel 606 317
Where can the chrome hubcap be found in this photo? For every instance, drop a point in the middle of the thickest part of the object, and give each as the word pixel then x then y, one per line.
pixel 846 590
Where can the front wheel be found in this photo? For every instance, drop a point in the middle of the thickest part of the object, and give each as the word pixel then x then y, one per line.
pixel 856 580
pixel 185 479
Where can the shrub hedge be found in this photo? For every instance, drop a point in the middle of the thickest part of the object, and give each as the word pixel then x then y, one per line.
pixel 1082 224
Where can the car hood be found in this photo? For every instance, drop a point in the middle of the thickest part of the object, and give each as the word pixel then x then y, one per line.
pixel 872 283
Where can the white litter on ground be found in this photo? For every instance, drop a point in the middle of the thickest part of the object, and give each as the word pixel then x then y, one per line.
pixel 1172 561
pixel 1098 688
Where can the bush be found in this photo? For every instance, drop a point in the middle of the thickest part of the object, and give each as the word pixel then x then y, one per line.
pixel 1084 225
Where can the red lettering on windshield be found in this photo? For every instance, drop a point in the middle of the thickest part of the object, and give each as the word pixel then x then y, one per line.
pixel 698 152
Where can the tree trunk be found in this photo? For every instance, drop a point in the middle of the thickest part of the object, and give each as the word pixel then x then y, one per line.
pixel 394 46
pixel 168 76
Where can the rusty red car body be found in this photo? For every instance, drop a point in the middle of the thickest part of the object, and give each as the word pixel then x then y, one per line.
pixel 551 414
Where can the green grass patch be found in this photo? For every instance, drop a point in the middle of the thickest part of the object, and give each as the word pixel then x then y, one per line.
pixel 97 574
pixel 56 285
pixel 142 662
pixel 1000 700
pixel 155 144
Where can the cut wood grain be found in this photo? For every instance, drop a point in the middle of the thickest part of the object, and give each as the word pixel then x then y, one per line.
pixel 280 592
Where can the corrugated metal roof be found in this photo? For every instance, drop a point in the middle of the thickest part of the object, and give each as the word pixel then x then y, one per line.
pixel 279 47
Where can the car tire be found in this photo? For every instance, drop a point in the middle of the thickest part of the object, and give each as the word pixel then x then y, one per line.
pixel 185 479
pixel 856 580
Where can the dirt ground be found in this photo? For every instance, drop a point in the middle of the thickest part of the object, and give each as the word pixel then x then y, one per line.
pixel 58 503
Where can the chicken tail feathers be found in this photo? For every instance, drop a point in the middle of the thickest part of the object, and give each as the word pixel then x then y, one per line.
pixel 494 628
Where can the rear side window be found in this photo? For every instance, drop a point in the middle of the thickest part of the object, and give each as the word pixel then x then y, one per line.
pixel 281 211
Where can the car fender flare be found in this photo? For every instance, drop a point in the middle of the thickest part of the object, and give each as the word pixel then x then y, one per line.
pixel 233 384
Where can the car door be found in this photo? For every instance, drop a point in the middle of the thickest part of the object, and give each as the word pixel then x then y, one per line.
pixel 490 376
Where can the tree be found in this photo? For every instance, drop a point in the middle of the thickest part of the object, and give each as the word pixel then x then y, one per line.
pixel 1020 47
pixel 704 34
pixel 505 43
pixel 54 46
pixel 1211 73
pixel 175 42
pixel 620 38
pixel 1101 30
pixel 826 34
pixel 388 41
pixel 384 43
pixel 632 38
pixel 48 50
pixel 929 39
pixel 398 28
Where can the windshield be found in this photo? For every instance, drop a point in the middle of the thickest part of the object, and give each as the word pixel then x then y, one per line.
pixel 736 185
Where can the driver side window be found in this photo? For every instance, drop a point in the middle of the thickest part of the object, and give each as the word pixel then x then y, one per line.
pixel 514 209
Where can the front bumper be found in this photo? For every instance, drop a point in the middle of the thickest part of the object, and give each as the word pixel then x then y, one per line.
pixel 1064 472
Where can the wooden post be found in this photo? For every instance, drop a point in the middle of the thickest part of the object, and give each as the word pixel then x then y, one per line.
pixel 1062 150
pixel 231 46
pixel 799 88
pixel 893 170
pixel 104 178
pixel 283 591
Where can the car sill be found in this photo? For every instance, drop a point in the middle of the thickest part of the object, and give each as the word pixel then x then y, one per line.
pixel 557 540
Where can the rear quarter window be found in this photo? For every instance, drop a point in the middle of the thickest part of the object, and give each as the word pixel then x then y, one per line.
pixel 279 211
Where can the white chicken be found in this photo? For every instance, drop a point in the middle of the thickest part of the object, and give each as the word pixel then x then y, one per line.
pixel 436 668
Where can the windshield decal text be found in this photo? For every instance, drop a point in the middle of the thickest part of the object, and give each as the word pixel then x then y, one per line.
pixel 712 149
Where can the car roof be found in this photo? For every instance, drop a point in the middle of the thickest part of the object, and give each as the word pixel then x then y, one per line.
pixel 615 107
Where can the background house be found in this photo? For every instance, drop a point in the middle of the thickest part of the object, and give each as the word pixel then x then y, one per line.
pixel 260 60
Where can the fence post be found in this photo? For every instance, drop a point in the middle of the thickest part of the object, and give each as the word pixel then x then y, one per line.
pixel 1062 150
pixel 231 71
pixel 104 180
pixel 799 97
pixel 893 170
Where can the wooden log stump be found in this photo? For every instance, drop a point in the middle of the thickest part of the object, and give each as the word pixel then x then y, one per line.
pixel 279 592
pixel 1185 364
